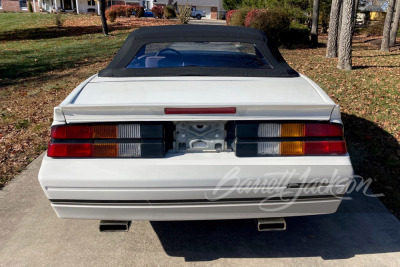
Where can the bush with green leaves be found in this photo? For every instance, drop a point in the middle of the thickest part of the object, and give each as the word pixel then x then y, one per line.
pixel 229 15
pixel 297 9
pixel 58 20
pixel 250 16
pixel 239 17
pixel 169 12
pixel 298 34
pixel 275 22
pixel 231 4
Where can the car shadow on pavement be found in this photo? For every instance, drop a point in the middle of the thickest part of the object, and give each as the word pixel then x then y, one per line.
pixel 362 224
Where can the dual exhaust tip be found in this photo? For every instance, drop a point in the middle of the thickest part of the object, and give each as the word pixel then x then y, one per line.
pixel 265 224
pixel 114 226
pixel 271 224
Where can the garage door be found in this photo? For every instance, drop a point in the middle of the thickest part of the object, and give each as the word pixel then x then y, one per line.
pixel 207 9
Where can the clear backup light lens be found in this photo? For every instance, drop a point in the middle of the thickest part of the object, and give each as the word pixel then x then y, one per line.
pixel 269 130
pixel 129 131
pixel 268 148
pixel 129 150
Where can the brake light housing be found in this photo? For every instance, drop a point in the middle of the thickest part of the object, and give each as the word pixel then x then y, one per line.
pixel 145 140
pixel 289 139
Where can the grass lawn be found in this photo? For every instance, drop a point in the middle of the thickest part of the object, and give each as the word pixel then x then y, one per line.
pixel 41 63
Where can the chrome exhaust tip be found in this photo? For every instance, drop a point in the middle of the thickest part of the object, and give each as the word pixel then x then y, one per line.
pixel 271 224
pixel 114 226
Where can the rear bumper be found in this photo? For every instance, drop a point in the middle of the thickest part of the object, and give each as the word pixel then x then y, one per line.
pixel 212 211
pixel 185 187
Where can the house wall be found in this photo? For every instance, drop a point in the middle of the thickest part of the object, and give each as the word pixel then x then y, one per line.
pixel 207 9
pixel 35 6
pixel 10 5
pixel 83 6
pixel 211 7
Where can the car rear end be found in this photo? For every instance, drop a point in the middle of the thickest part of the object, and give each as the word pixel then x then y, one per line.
pixel 195 148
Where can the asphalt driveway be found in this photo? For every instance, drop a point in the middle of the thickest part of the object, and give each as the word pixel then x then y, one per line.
pixel 361 233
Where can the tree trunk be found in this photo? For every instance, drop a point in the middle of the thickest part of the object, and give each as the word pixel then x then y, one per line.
pixel 339 27
pixel 395 24
pixel 386 27
pixel 346 36
pixel 331 50
pixel 314 27
pixel 356 3
pixel 103 16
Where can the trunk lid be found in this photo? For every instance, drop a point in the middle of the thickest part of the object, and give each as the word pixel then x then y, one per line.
pixel 144 99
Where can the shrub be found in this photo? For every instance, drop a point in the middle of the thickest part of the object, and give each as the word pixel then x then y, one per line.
pixel 228 16
pixel 58 20
pixel 231 4
pixel 297 34
pixel 250 16
pixel 238 18
pixel 111 15
pixel 129 10
pixel 139 11
pixel 169 12
pixel 275 22
pixel 120 10
pixel 158 11
pixel 374 28
pixel 184 14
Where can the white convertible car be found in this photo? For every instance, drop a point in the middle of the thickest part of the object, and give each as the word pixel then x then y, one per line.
pixel 196 122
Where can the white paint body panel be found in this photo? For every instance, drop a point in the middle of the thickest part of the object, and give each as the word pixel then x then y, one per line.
pixel 144 99
pixel 197 176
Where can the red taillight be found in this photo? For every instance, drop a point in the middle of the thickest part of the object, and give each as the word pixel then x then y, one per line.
pixel 325 148
pixel 69 150
pixel 289 139
pixel 228 110
pixel 71 132
pixel 323 130
pixel 124 140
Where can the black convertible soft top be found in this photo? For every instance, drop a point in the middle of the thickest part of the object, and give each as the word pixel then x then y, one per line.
pixel 197 33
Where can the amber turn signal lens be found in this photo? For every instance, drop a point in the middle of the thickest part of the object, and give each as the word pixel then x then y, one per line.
pixel 292 130
pixel 105 131
pixel 292 148
pixel 105 150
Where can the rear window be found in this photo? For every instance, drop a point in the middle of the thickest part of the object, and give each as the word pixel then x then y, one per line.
pixel 199 54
